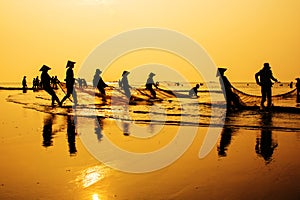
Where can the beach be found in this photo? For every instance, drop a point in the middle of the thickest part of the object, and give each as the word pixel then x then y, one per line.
pixel 257 161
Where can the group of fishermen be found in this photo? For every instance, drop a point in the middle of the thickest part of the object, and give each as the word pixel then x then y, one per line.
pixel 97 83
pixel 70 81
pixel 263 78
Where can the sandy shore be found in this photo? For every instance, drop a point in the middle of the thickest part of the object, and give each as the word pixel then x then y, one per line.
pixel 36 167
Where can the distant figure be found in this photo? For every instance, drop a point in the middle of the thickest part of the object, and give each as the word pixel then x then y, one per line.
pixel 45 81
pixel 150 83
pixel 84 84
pixel 263 78
pixel 70 81
pixel 125 85
pixel 298 89
pixel 37 82
pixel 24 82
pixel 232 99
pixel 193 92
pixel 79 80
pixel 291 84
pixel 33 84
pixel 55 82
pixel 99 83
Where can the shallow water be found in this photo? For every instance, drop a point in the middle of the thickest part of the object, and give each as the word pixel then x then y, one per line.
pixel 255 157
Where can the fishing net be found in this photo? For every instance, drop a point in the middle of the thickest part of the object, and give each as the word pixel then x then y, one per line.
pixel 254 100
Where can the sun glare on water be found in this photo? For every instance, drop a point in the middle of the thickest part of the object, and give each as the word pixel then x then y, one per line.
pixel 95 197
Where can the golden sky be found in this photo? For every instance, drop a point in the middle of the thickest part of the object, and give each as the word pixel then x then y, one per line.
pixel 239 35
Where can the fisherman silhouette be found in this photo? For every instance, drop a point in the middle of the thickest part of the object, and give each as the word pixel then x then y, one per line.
pixel 79 81
pixel 265 145
pixel 298 89
pixel 99 83
pixel 125 85
pixel 37 82
pixel 45 81
pixel 263 78
pixel 33 84
pixel 84 84
pixel 126 127
pixel 71 132
pixel 291 84
pixel 47 130
pixel 226 135
pixel 99 127
pixel 70 81
pixel 55 81
pixel 194 90
pixel 232 99
pixel 225 141
pixel 150 83
pixel 24 84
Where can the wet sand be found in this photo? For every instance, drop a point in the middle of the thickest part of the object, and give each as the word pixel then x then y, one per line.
pixel 244 164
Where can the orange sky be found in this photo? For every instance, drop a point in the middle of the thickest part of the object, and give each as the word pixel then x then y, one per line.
pixel 236 34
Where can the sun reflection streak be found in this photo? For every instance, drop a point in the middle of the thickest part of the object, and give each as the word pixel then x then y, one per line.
pixel 95 197
pixel 90 176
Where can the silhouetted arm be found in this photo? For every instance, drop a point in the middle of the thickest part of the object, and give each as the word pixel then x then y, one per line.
pixel 272 77
pixel 256 78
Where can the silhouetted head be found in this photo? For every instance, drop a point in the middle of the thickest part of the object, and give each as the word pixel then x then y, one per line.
pixel 267 66
pixel 197 85
pixel 98 71
pixel 297 79
pixel 70 64
pixel 44 68
pixel 221 71
pixel 151 74
pixel 125 73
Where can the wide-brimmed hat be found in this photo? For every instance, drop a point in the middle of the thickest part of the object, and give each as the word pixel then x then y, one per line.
pixel 44 68
pixel 220 71
pixel 125 72
pixel 267 65
pixel 152 74
pixel 70 63
pixel 98 71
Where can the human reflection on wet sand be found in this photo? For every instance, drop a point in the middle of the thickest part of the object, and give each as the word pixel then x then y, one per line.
pixel 125 125
pixel 226 136
pixel 99 127
pixel 48 132
pixel 265 144
pixel 71 132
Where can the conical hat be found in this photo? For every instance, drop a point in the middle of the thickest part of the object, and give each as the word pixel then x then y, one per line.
pixel 151 74
pixel 44 68
pixel 98 71
pixel 221 71
pixel 125 72
pixel 70 63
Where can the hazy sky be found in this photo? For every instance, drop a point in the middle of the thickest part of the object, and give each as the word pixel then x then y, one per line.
pixel 239 35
